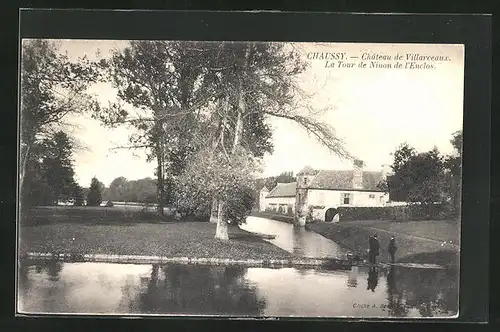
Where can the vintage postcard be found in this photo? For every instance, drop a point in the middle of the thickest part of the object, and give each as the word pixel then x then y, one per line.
pixel 232 178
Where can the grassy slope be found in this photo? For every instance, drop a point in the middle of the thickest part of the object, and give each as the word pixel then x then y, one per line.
pixel 417 242
pixel 187 239
pixel 114 231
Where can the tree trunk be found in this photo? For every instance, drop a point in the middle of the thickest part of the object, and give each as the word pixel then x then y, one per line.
pixel 221 232
pixel 24 164
pixel 213 211
pixel 159 174
pixel 222 226
pixel 241 104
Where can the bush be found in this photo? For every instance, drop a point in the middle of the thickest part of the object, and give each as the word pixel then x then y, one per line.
pixel 240 205
pixel 397 213
pixel 94 197
pixel 110 204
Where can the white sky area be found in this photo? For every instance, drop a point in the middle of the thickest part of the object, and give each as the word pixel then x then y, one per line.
pixel 372 109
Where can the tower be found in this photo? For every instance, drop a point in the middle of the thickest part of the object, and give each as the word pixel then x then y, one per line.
pixel 304 179
pixel 262 198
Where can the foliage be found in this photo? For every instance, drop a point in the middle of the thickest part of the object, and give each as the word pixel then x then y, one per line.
pixel 142 190
pixel 418 177
pixel 49 177
pixel 79 196
pixel 208 99
pixel 167 84
pixel 272 181
pixel 57 167
pixel 427 178
pixel 52 87
pixel 211 175
pixel 453 164
pixel 240 205
pixel 94 197
pixel 396 213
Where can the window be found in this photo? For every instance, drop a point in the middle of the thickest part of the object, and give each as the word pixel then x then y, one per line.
pixel 320 198
pixel 305 181
pixel 346 198
pixel 372 196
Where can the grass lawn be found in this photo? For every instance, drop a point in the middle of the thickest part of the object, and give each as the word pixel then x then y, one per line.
pixel 417 242
pixel 183 239
pixel 439 230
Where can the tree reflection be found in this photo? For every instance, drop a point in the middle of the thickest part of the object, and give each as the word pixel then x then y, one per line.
pixel 298 241
pixel 432 292
pixel 188 289
pixel 396 305
pixel 53 268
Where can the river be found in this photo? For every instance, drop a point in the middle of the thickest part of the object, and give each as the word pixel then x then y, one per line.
pixel 105 288
pixel 174 289
pixel 296 240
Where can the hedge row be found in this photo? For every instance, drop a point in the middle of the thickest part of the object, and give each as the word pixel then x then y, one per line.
pixel 399 213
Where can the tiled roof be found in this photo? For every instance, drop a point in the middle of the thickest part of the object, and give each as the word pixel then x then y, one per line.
pixel 308 170
pixel 283 190
pixel 342 180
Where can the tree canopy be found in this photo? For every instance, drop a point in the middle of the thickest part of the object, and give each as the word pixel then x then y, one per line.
pixel 427 177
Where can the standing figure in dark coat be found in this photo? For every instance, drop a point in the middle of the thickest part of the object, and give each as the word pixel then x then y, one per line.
pixel 392 248
pixel 374 248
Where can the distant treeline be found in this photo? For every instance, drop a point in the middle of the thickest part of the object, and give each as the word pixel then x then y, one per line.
pixel 123 190
pixel 145 190
pixel 272 181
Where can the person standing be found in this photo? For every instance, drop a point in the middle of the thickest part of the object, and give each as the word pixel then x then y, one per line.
pixel 392 248
pixel 374 248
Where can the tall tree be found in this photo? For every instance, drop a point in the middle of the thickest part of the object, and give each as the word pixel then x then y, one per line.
pixel 190 95
pixel 166 83
pixel 418 177
pixel 453 164
pixel 263 80
pixel 57 167
pixel 49 176
pixel 52 87
pixel 94 197
pixel 79 196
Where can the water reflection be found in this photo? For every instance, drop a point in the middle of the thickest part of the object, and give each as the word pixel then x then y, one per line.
pixel 372 279
pixel 353 277
pixel 296 240
pixel 182 289
pixel 54 287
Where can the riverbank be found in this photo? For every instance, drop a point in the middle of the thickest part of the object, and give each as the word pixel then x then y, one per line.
pixel 273 216
pixel 422 242
pixel 177 239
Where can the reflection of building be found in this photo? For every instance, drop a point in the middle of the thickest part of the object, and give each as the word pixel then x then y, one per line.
pixel 352 280
pixel 323 191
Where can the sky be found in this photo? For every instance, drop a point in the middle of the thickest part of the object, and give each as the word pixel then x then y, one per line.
pixel 372 109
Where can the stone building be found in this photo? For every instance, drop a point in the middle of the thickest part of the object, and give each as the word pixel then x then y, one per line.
pixel 321 192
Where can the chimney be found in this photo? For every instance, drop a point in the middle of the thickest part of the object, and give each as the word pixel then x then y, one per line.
pixel 357 178
pixel 386 171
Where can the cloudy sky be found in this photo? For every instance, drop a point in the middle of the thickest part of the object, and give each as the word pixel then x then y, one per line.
pixel 372 109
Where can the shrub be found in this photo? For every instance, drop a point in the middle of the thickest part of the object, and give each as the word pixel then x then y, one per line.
pixel 309 216
pixel 240 205
pixel 109 204
pixel 397 213
pixel 94 197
